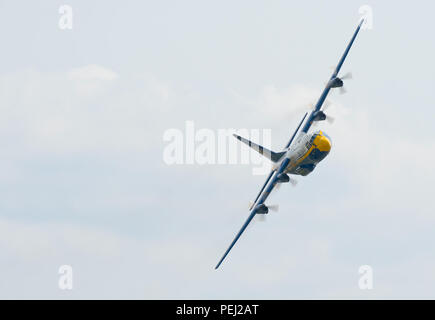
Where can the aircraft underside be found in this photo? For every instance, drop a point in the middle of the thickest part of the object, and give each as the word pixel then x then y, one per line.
pixel 317 149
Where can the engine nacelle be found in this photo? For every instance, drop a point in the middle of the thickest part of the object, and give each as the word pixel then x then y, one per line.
pixel 335 83
pixel 319 116
pixel 282 178
pixel 262 209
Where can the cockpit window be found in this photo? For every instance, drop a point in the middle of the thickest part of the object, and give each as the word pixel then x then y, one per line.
pixel 313 137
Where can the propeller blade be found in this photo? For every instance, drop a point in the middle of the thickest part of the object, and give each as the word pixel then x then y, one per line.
pixel 261 217
pixel 347 76
pixel 330 119
pixel 342 90
pixel 293 182
pixel 310 105
pixel 273 207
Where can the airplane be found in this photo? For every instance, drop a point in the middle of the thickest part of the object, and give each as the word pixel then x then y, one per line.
pixel 299 157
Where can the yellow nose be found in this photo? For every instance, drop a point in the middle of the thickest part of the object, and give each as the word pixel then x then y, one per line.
pixel 323 143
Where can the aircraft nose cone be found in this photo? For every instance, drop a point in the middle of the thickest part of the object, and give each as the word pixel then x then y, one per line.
pixel 324 144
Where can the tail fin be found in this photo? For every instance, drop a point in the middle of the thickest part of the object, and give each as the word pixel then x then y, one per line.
pixel 273 156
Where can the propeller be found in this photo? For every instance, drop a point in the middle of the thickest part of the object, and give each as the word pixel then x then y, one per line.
pixel 346 76
pixel 262 217
pixel 292 181
pixel 326 105
pixel 273 207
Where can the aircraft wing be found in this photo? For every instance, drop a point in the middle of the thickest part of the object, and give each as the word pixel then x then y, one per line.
pixel 266 189
pixel 333 82
pixel 262 198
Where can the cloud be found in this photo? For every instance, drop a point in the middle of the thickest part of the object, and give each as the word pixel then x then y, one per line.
pixel 91 79
pixel 129 218
pixel 274 105
pixel 86 108
pixel 92 72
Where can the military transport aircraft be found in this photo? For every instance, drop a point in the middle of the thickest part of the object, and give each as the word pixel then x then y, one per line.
pixel 300 157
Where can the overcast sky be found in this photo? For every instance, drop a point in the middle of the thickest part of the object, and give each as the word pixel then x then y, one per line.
pixel 82 177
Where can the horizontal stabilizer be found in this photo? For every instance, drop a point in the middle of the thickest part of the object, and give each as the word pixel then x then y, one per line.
pixel 273 156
